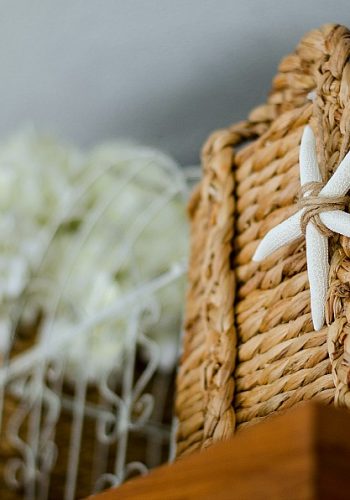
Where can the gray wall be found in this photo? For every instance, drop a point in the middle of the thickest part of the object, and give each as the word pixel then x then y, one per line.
pixel 165 72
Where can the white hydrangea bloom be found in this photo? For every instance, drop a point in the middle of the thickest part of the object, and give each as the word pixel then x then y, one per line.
pixel 80 230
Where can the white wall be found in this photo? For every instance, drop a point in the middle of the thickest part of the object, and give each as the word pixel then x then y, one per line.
pixel 165 72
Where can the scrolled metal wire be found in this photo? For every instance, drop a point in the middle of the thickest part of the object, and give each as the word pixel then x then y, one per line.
pixel 36 377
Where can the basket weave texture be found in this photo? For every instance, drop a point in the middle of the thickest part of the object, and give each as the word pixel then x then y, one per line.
pixel 249 346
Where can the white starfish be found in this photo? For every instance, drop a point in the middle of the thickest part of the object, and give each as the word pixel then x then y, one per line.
pixel 316 243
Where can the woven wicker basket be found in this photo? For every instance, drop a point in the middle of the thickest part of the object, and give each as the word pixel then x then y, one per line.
pixel 249 346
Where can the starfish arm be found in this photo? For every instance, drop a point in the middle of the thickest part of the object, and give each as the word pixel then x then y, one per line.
pixel 309 170
pixel 318 270
pixel 282 234
pixel 337 221
pixel 339 183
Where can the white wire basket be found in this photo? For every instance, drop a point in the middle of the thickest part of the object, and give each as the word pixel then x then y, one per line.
pixel 65 433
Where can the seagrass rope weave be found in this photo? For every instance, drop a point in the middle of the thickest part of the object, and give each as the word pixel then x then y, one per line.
pixel 249 346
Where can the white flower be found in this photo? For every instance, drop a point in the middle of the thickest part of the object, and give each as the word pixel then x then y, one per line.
pixel 81 230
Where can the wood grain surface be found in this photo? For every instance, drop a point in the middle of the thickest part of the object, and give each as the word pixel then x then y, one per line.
pixel 303 454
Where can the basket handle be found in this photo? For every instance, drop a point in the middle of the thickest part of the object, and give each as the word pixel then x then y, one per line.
pixel 233 136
